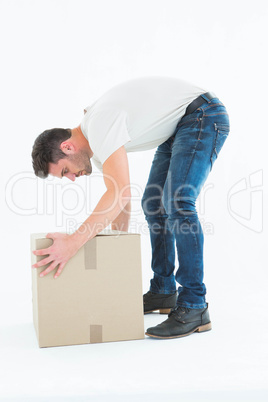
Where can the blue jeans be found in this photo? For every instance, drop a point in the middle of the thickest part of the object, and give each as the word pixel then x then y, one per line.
pixel 179 169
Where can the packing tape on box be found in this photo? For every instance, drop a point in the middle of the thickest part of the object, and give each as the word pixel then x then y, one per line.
pixel 95 333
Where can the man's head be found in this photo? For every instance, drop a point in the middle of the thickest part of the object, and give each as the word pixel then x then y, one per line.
pixel 61 152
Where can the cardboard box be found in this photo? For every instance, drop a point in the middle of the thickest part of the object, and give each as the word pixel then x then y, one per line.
pixel 97 297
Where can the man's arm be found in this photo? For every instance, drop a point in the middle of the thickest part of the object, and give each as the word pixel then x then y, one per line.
pixel 110 208
pixel 111 204
pixel 122 220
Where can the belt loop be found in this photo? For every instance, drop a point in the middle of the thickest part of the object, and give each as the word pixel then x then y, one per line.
pixel 204 97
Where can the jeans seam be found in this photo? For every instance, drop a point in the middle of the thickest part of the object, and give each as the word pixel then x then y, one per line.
pixel 194 151
pixel 216 114
pixel 216 133
pixel 165 251
pixel 196 248
pixel 209 105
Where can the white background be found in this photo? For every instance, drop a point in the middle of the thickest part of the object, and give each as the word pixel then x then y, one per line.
pixel 57 57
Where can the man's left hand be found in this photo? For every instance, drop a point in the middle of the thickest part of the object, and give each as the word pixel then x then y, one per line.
pixel 63 248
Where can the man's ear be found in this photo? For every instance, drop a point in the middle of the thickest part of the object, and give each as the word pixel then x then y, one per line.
pixel 67 147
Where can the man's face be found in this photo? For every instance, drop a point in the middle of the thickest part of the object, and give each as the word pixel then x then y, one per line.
pixel 74 165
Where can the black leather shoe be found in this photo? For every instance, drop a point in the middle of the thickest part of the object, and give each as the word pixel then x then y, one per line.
pixel 181 321
pixel 163 303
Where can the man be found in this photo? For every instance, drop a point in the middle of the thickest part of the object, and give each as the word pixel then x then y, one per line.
pixel 189 126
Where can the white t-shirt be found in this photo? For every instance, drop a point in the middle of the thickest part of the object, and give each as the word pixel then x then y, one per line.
pixel 140 114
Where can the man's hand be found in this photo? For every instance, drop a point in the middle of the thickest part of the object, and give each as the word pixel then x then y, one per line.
pixel 62 249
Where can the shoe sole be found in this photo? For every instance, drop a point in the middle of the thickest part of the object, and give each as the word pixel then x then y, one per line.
pixel 161 311
pixel 201 328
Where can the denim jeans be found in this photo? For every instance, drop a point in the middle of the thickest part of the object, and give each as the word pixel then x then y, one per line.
pixel 179 170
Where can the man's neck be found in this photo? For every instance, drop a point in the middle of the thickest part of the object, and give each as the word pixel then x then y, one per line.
pixel 77 132
pixel 80 139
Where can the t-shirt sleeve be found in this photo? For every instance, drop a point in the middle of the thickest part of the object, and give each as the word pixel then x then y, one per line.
pixel 97 163
pixel 107 132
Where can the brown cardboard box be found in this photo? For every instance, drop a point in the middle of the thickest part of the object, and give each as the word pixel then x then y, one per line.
pixel 97 297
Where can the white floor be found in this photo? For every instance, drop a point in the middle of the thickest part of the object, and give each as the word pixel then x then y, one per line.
pixel 228 363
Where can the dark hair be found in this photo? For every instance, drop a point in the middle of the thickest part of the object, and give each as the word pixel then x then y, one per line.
pixel 46 149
